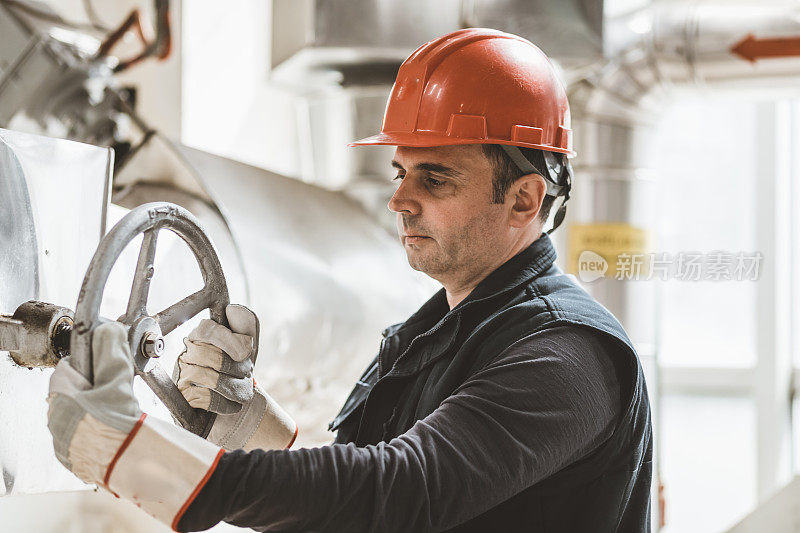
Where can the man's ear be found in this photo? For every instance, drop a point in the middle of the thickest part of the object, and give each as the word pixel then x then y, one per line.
pixel 527 194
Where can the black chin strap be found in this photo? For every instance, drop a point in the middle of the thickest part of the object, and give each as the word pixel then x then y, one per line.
pixel 556 171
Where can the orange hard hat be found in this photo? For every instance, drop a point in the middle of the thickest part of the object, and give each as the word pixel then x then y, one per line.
pixel 477 86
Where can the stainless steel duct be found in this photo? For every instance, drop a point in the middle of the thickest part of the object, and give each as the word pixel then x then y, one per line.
pixel 570 32
pixel 381 24
pixel 678 44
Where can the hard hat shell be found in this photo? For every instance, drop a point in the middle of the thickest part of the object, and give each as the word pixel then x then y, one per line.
pixel 477 86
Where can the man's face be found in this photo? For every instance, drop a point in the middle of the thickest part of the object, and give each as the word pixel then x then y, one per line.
pixel 446 220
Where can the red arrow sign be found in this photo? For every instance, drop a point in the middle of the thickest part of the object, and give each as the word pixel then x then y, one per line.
pixel 753 49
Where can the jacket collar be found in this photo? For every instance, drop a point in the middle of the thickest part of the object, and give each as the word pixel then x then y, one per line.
pixel 526 265
pixel 436 314
pixel 523 267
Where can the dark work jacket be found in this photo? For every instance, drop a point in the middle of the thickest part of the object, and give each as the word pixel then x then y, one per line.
pixel 423 360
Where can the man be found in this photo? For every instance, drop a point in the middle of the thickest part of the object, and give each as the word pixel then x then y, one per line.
pixel 510 401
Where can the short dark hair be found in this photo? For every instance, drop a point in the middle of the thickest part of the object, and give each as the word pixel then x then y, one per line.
pixel 506 172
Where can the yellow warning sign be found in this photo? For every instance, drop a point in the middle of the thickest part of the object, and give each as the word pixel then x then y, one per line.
pixel 603 248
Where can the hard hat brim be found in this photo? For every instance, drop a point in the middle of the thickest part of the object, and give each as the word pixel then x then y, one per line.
pixel 428 139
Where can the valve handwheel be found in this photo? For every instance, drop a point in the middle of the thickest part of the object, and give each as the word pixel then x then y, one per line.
pixel 145 333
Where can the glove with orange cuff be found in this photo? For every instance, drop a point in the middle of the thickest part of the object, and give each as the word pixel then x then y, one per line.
pixel 101 435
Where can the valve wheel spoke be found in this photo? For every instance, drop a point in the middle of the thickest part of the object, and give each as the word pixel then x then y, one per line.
pixel 178 313
pixel 137 302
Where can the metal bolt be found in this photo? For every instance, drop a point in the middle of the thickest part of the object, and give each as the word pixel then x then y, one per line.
pixel 152 345
pixel 61 337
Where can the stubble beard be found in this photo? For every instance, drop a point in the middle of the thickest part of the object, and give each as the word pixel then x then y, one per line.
pixel 447 262
pixel 455 258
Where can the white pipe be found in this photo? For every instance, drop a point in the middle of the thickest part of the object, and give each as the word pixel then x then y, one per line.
pixel 683 44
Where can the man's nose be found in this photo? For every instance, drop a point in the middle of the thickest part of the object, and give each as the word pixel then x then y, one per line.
pixel 404 199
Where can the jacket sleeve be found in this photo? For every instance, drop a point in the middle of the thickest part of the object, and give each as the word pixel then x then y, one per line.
pixel 545 402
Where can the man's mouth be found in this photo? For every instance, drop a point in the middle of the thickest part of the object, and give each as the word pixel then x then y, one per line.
pixel 414 239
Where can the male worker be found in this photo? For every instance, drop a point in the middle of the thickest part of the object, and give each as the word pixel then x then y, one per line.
pixel 510 401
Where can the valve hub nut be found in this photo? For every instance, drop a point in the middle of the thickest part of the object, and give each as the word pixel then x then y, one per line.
pixel 152 345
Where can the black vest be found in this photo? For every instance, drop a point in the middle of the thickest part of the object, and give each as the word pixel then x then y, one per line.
pixel 423 360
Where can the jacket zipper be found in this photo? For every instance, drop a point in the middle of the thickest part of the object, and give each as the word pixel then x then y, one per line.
pixel 411 344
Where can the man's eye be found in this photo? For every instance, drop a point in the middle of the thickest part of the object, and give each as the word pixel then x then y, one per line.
pixel 434 182
pixel 398 177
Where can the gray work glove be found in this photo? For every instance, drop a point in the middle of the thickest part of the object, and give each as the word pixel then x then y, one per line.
pixel 101 435
pixel 215 373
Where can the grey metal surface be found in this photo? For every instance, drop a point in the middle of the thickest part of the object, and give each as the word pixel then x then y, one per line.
pixel 569 31
pixel 37 334
pixel 19 261
pixel 368 29
pixel 383 23
pixel 53 237
pixel 68 187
